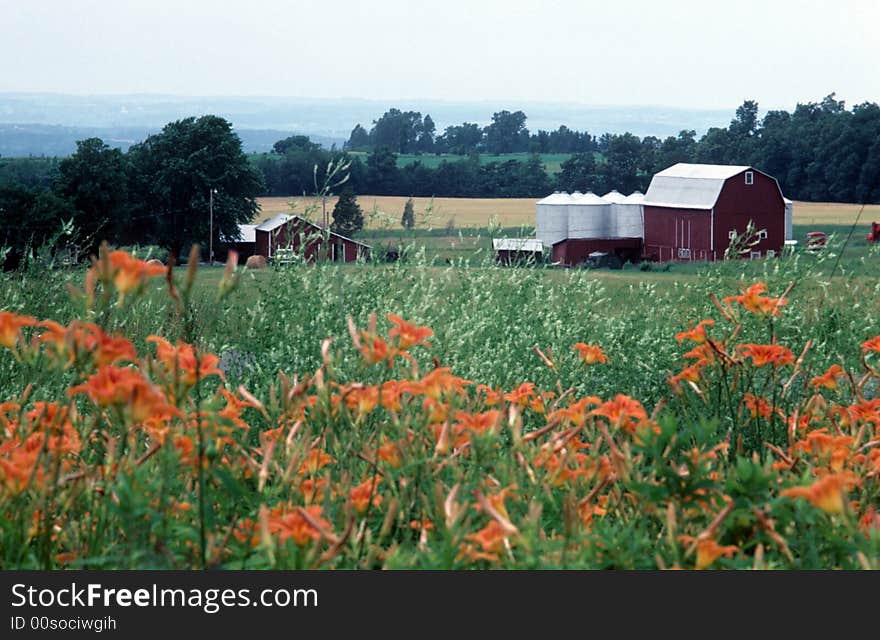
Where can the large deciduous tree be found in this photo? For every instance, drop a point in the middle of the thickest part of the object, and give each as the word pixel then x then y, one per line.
pixel 174 172
pixel 578 173
pixel 95 181
pixel 507 133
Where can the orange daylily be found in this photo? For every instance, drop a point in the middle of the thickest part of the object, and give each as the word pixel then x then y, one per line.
pixel 590 353
pixel 708 550
pixel 182 362
pixel 690 373
pixel 622 411
pixel 390 453
pixel 489 539
pixel 10 327
pixel 763 354
pixel 361 494
pixel 374 349
pixel 829 378
pixel 697 334
pixel 312 490
pixel 491 396
pixel 437 382
pixel 752 301
pixel 362 399
pixel 86 338
pixel 408 335
pixel 315 461
pixel 293 525
pixel 522 394
pixel 576 412
pixel 126 389
pixel 126 271
pixel 757 406
pixel 827 493
pixel 478 423
pixel 835 449
pixel 871 345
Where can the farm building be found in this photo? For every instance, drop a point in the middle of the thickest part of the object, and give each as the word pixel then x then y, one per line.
pixel 692 211
pixel 689 213
pixel 574 226
pixel 291 234
pixel 517 250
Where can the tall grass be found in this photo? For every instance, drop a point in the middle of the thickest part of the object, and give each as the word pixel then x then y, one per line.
pixel 297 458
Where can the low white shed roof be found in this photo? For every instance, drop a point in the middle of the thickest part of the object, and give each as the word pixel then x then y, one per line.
pixel 248 232
pixel 517 244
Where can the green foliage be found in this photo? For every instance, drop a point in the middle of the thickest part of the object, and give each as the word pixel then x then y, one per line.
pixel 408 219
pixel 173 174
pixel 95 181
pixel 348 217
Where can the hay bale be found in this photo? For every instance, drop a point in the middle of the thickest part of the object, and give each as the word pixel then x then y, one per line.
pixel 155 261
pixel 256 262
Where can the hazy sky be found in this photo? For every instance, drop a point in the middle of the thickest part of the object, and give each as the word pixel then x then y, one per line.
pixel 695 53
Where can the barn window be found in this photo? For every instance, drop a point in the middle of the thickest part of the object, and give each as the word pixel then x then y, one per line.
pixel 731 234
pixel 755 254
pixel 762 234
pixel 750 177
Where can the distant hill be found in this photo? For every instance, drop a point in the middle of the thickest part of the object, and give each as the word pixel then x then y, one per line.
pixel 55 121
pixel 20 140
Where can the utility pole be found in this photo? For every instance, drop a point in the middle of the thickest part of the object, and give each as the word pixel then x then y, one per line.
pixel 211 225
pixel 326 243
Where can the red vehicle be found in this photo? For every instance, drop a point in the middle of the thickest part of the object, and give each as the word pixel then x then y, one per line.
pixel 874 234
pixel 816 240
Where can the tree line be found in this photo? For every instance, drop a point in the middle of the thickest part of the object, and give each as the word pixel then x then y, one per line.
pixel 820 151
pixel 158 192
pixel 408 132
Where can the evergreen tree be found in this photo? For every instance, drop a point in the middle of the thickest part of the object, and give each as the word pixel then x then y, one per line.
pixel 408 220
pixel 348 218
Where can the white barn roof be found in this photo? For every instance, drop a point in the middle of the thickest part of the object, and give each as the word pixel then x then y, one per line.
pixel 273 223
pixel 517 244
pixel 690 186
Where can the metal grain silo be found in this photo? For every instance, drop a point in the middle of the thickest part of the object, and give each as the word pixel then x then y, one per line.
pixel 789 218
pixel 551 218
pixel 628 215
pixel 589 216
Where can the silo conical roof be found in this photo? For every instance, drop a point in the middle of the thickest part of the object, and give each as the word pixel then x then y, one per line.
pixel 588 198
pixel 614 196
pixel 636 197
pixel 557 197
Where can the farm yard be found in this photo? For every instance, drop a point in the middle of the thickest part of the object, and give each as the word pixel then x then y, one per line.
pixel 421 416
pixel 474 221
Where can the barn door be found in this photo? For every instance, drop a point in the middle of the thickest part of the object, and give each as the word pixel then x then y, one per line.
pixel 683 239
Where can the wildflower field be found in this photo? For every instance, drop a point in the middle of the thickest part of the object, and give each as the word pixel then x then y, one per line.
pixel 415 416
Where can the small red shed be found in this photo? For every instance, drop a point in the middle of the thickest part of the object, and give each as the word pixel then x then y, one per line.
pixel 692 210
pixel 304 238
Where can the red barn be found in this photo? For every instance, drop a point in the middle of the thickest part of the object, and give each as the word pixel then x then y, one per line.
pixel 304 238
pixel 692 210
